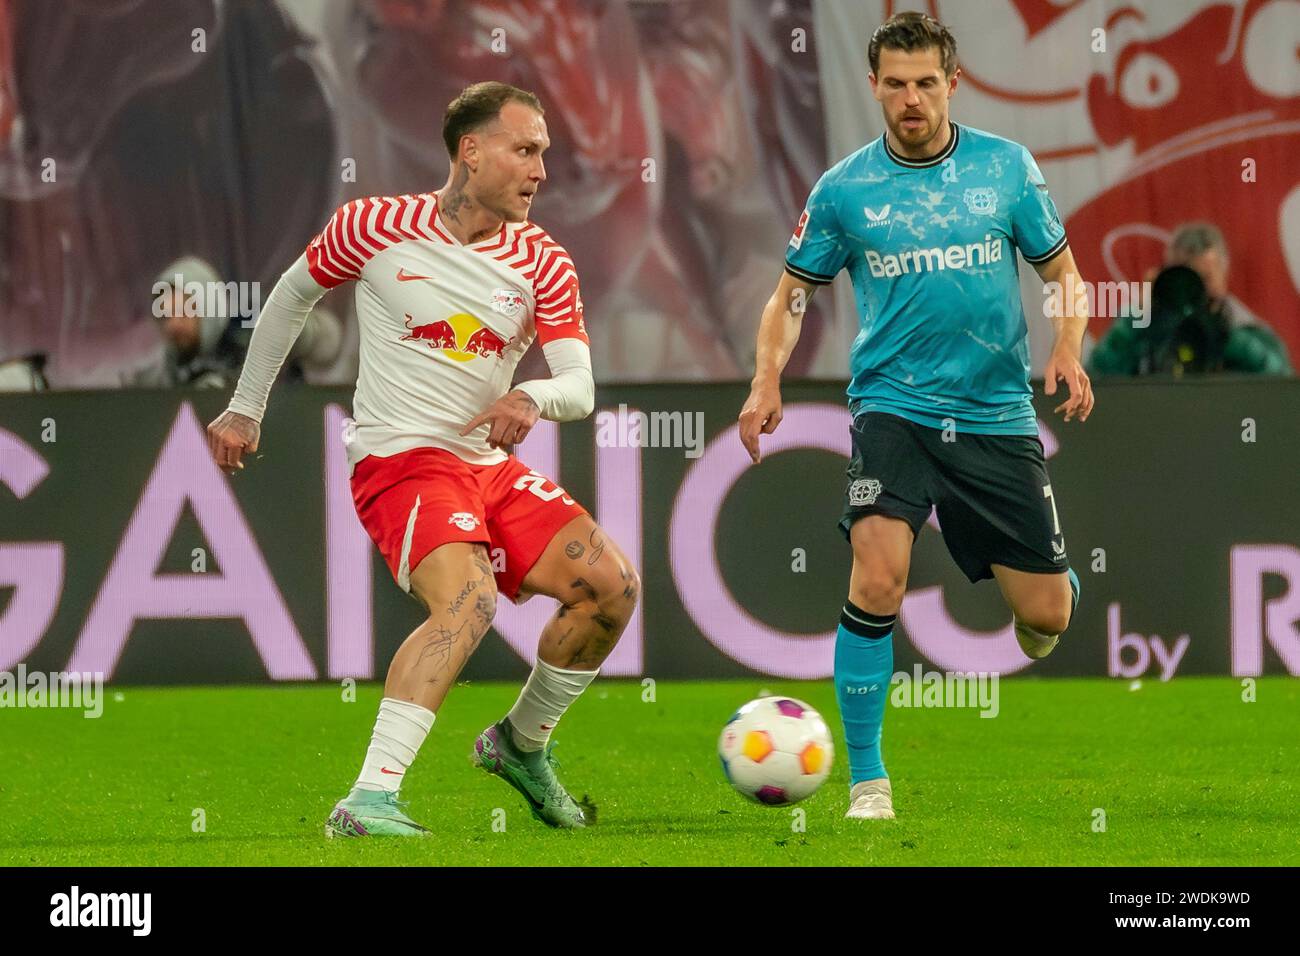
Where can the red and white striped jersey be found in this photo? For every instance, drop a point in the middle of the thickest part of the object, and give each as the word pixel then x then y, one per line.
pixel 443 325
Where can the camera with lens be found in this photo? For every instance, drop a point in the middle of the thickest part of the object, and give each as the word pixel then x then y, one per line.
pixel 1186 333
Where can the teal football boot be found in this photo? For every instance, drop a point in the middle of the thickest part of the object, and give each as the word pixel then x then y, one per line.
pixel 371 813
pixel 532 773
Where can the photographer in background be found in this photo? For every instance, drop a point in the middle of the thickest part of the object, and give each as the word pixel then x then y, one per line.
pixel 1195 324
pixel 199 350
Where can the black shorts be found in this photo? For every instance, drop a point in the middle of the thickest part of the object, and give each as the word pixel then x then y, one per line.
pixel 991 492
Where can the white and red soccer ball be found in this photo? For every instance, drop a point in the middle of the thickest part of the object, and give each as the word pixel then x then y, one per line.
pixel 776 750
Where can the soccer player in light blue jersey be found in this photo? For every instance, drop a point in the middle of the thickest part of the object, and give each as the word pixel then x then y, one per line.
pixel 928 220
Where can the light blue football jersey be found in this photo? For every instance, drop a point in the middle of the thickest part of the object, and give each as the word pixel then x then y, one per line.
pixel 931 248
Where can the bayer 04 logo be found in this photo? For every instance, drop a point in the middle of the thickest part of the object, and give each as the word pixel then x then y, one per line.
pixel 776 750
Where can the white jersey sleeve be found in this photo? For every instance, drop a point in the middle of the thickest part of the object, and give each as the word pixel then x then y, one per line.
pixel 570 393
pixel 279 324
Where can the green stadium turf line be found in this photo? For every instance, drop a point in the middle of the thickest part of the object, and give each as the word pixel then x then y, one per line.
pixel 1185 773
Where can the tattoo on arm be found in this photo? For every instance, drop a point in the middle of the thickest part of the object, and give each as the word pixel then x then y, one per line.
pixel 574 549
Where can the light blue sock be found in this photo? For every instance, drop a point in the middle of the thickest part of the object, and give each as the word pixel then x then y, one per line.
pixel 863 666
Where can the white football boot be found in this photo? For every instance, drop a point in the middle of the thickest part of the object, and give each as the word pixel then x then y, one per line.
pixel 871 800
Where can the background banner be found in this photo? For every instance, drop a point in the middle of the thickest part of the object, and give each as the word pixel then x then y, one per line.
pixel 123 549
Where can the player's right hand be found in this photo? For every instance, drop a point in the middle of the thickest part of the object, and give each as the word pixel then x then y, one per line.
pixel 760 416
pixel 229 436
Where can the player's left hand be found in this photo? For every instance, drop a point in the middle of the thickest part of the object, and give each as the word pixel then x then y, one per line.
pixel 231 435
pixel 1064 365
pixel 511 417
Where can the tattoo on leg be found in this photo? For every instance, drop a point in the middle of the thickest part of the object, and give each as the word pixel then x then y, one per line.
pixel 484 579
pixel 484 610
pixel 574 549
pixel 454 607
pixel 597 547
pixel 596 650
pixel 564 637
pixel 438 648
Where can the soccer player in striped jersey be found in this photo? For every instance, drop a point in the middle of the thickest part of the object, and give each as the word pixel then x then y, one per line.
pixel 452 288
pixel 927 219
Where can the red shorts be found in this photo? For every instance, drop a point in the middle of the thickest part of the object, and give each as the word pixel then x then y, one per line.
pixel 412 502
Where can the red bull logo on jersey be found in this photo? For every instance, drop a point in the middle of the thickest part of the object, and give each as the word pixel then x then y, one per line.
pixel 459 337
pixel 464 520
pixel 509 302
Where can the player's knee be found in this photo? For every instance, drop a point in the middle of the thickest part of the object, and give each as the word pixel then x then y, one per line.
pixel 630 595
pixel 606 600
pixel 1047 619
pixel 878 592
pixel 617 599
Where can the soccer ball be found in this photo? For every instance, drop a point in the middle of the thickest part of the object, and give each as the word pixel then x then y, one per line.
pixel 776 750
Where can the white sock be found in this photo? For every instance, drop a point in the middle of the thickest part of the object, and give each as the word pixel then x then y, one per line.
pixel 549 692
pixel 400 729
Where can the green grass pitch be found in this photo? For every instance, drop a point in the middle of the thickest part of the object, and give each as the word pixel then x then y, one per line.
pixel 1185 772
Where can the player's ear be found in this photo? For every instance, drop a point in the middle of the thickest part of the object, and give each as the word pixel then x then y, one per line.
pixel 952 82
pixel 469 151
pixel 875 84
